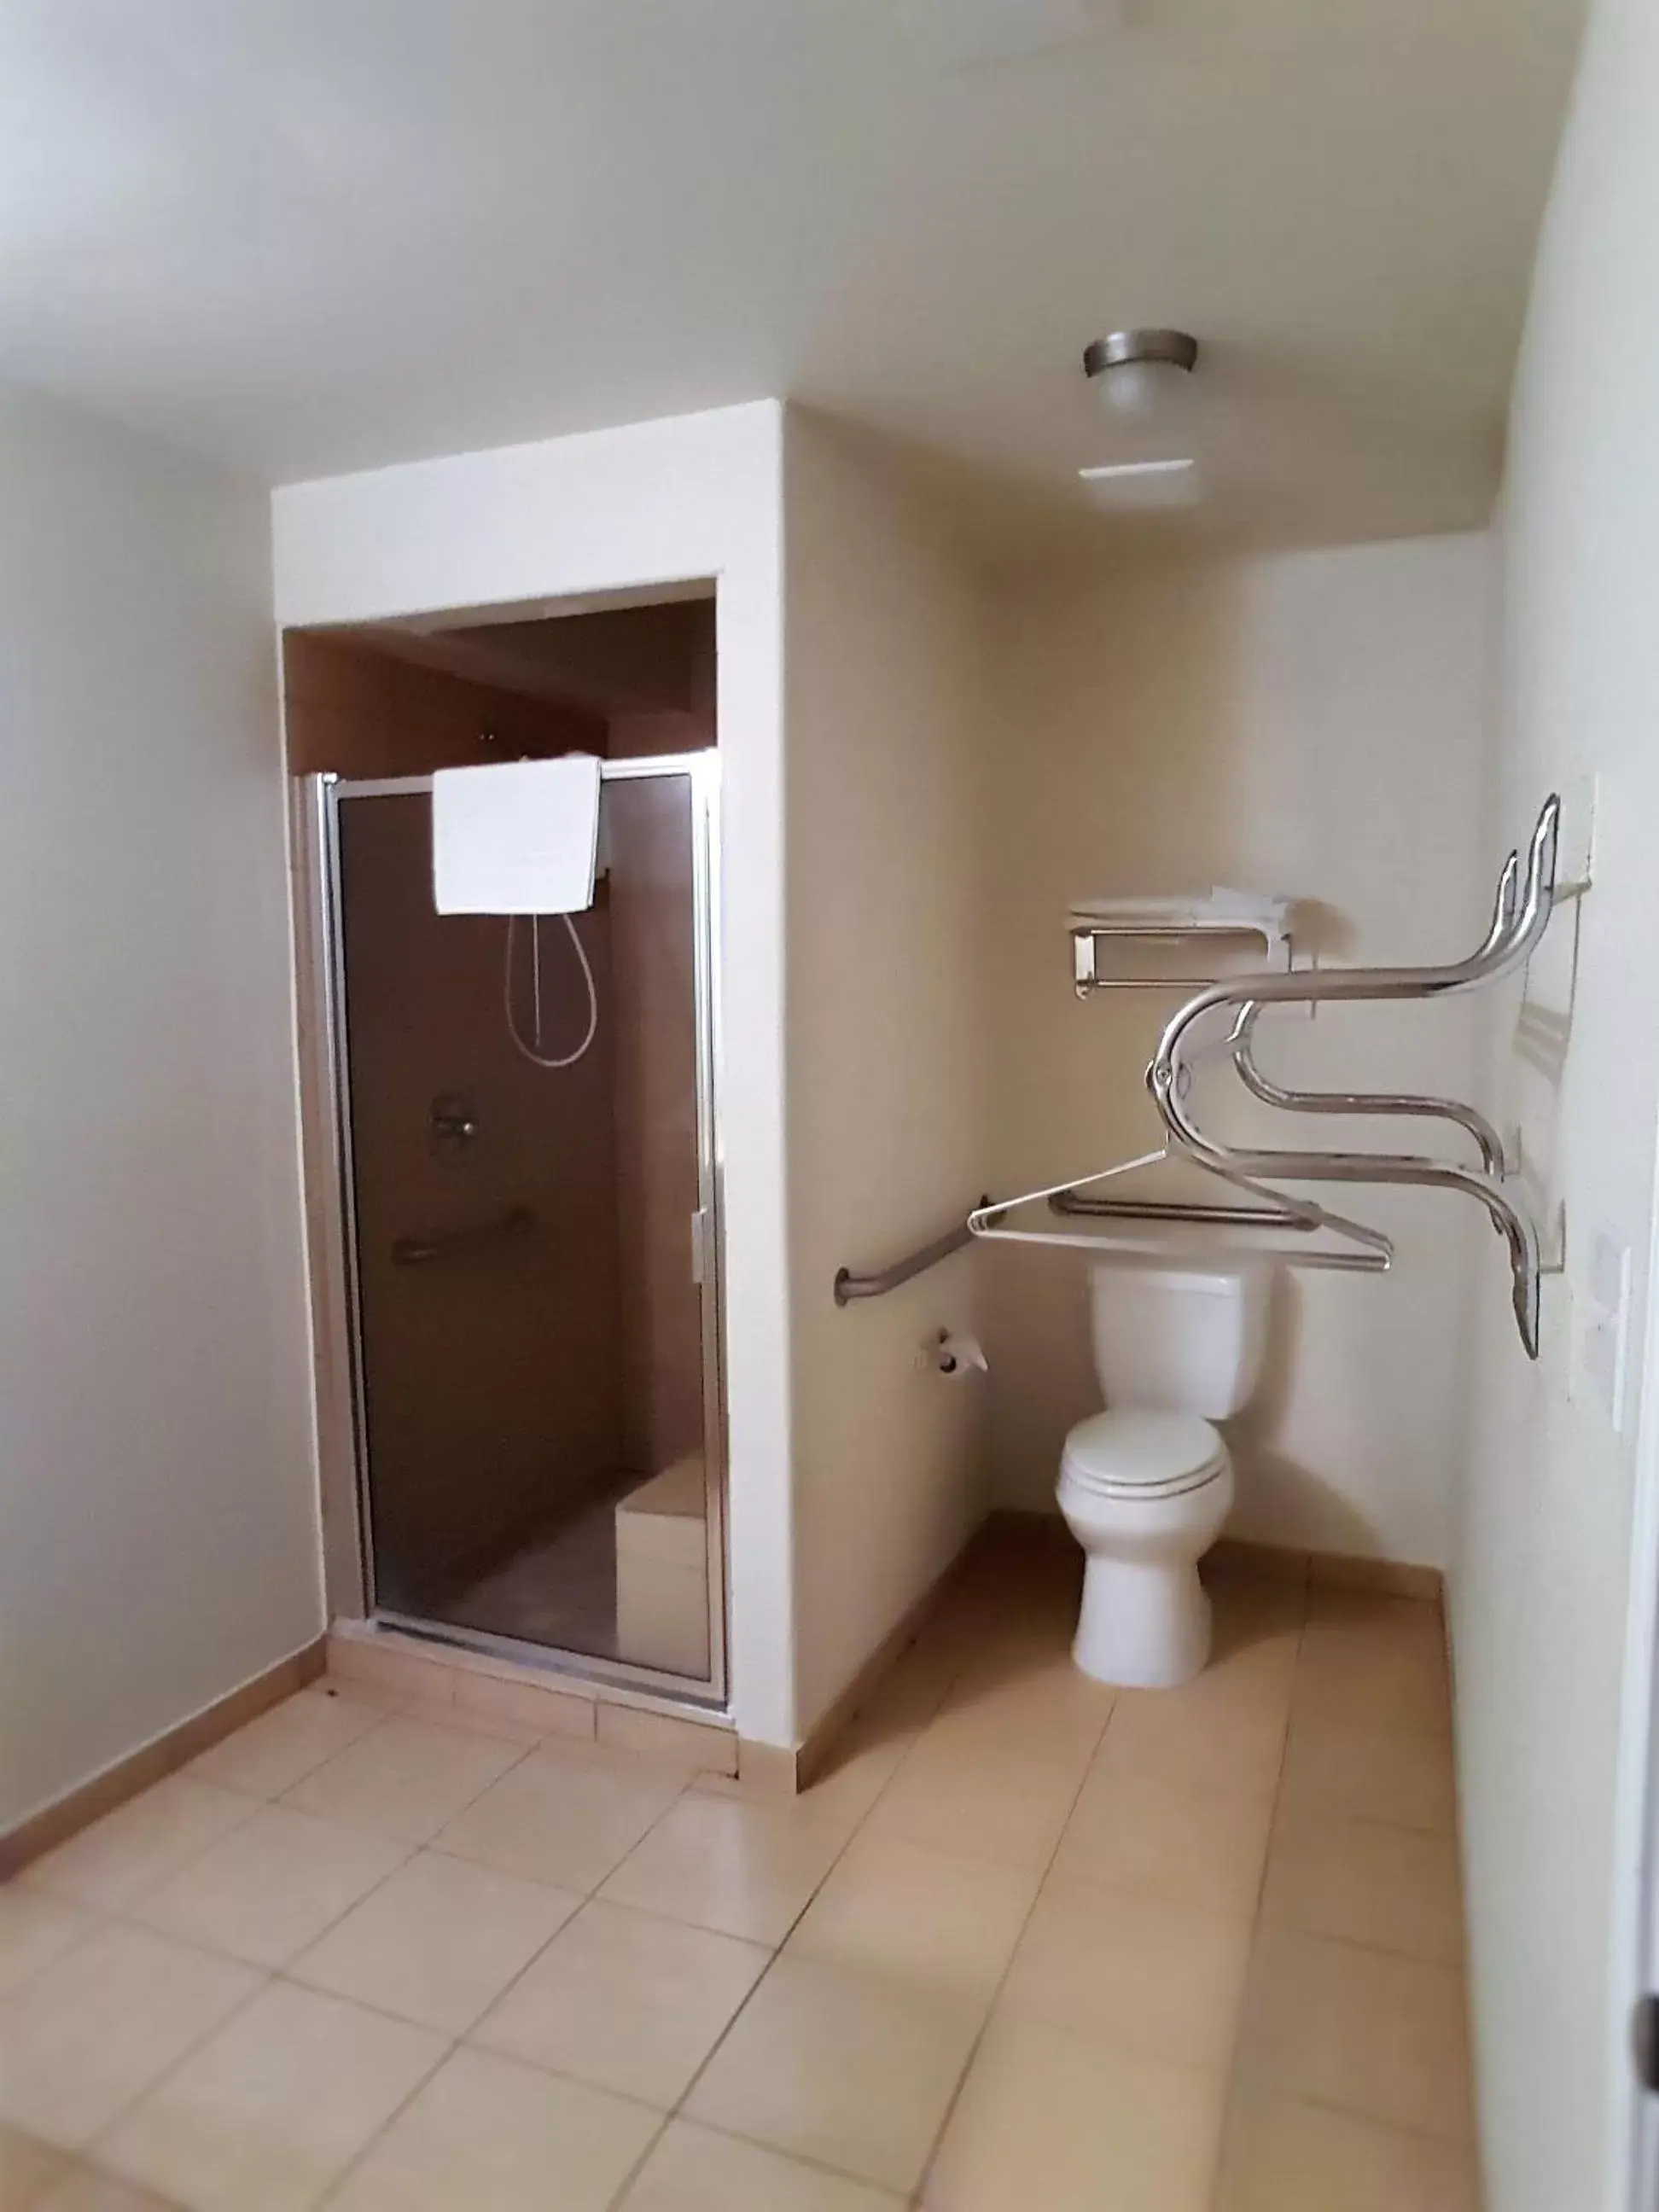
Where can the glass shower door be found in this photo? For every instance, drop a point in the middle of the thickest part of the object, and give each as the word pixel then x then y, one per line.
pixel 537 1339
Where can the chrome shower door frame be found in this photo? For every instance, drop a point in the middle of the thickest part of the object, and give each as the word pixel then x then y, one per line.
pixel 325 1072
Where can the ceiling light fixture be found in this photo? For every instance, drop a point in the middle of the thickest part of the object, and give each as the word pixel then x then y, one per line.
pixel 1135 372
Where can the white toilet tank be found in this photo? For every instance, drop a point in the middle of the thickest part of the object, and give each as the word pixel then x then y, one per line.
pixel 1183 1338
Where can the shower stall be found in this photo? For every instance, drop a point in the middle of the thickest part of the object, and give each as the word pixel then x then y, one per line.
pixel 526 1244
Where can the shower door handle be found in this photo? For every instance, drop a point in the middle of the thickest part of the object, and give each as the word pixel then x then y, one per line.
pixel 445 1244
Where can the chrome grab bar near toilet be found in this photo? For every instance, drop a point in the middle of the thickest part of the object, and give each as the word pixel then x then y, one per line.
pixel 449 1243
pixel 849 1286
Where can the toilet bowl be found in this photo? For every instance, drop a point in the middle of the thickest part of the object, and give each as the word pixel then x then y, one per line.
pixel 1146 1486
pixel 1145 1495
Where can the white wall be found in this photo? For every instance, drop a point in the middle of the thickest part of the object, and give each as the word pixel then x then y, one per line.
pixel 1544 1559
pixel 1309 724
pixel 883 652
pixel 656 503
pixel 158 1539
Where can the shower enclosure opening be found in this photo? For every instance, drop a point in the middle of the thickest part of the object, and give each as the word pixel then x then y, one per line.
pixel 523 1123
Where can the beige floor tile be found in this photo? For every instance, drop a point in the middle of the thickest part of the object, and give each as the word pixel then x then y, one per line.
pixel 95 2027
pixel 1373 1615
pixel 938 1922
pixel 1165 1840
pixel 742 1869
pixel 86 2189
pixel 280 1748
pixel 1039 1705
pixel 27 2168
pixel 694 2170
pixel 1393 1888
pixel 405 1779
pixel 271 2109
pixel 140 1844
pixel 272 1886
pixel 438 1942
pixel 992 1802
pixel 858 1768
pixel 1282 2155
pixel 695 1746
pixel 532 1709
pixel 563 1817
pixel 1165 1981
pixel 1048 2121
pixel 1370 1774
pixel 861 1764
pixel 908 1698
pixel 1225 1731
pixel 393 1672
pixel 492 2135
pixel 35 1927
pixel 1365 1675
pixel 837 2069
pixel 1364 2030
pixel 1247 1611
pixel 625 2000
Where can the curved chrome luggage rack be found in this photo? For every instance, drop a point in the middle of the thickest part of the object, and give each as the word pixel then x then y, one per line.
pixel 1517 926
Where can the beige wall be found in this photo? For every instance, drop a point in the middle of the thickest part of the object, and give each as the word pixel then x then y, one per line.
pixel 885 1135
pixel 1545 1558
pixel 1309 723
pixel 158 1536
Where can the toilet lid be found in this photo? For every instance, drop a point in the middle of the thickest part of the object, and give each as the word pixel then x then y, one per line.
pixel 1144 1454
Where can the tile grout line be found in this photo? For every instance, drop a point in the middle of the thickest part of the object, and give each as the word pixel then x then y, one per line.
pixel 124 1917
pixel 1231 2073
pixel 919 2192
pixel 268 1975
pixel 460 2042
pixel 618 2200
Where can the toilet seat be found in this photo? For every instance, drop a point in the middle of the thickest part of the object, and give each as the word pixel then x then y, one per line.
pixel 1135 1453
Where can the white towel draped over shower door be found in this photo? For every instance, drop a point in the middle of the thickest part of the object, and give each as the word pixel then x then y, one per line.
pixel 516 836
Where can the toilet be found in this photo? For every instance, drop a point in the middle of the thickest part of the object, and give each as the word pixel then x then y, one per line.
pixel 1145 1485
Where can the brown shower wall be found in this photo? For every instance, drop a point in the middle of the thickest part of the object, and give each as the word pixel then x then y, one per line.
pixel 589 1343
pixel 359 713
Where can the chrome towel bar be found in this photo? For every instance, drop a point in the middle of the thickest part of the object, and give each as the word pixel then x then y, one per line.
pixel 447 1244
pixel 1521 914
pixel 849 1286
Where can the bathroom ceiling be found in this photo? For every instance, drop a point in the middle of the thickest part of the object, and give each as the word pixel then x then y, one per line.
pixel 314 235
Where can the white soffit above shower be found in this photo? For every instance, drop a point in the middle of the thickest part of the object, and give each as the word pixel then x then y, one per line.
pixel 311 240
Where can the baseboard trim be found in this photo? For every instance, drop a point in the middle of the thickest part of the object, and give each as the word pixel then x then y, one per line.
pixel 813 1755
pixel 152 1762
pixel 1350 1571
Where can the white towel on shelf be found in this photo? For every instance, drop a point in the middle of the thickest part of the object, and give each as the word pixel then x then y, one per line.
pixel 516 837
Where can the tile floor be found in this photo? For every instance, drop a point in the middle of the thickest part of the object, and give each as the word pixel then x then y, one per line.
pixel 1028 1945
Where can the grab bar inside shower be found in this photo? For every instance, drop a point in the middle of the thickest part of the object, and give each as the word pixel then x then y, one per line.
pixel 447 1243
pixel 849 1286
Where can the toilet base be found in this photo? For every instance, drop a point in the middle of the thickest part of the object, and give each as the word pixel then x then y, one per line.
pixel 1145 1623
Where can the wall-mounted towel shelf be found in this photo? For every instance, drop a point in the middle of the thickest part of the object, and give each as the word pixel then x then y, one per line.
pixel 1521 914
pixel 1087 1220
pixel 1203 922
